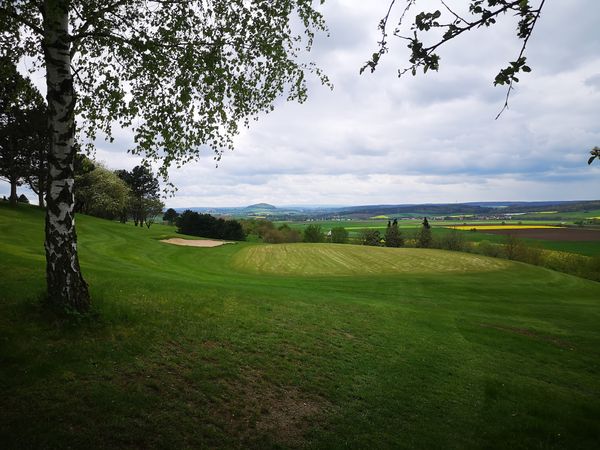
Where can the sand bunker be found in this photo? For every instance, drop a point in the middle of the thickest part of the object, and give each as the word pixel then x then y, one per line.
pixel 196 242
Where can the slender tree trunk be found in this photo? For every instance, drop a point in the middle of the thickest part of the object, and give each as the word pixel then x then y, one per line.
pixel 13 192
pixel 41 201
pixel 66 287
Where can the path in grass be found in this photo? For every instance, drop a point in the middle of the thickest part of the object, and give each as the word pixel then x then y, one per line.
pixel 336 259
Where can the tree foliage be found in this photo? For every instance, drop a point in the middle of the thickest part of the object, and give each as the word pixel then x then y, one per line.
pixel 371 237
pixel 183 75
pixel 393 235
pixel 144 193
pixel 452 23
pixel 153 208
pixel 339 235
pixel 313 233
pixel 424 238
pixel 256 227
pixel 23 132
pixel 280 235
pixel 205 225
pixel 101 193
pixel 170 216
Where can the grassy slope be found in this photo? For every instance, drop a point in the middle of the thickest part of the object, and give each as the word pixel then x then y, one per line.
pixel 189 352
pixel 356 260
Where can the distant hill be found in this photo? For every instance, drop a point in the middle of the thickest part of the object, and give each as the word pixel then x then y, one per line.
pixel 261 206
pixel 400 210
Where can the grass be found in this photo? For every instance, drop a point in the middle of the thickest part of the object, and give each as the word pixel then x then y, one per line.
pixel 572 215
pixel 187 349
pixel 356 260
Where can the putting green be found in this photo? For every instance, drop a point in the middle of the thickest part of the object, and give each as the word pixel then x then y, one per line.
pixel 336 259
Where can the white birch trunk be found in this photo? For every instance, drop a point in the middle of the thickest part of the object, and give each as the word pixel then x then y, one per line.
pixel 66 286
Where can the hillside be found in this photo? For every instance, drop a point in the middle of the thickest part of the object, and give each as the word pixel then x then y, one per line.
pixel 209 348
pixel 261 206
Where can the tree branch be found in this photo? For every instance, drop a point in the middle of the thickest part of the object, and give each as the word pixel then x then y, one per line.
pixel 22 20
pixel 510 85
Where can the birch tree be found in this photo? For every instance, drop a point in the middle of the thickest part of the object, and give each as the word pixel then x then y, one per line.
pixel 183 75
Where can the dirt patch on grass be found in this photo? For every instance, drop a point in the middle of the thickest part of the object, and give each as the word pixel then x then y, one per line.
pixel 196 242
pixel 550 234
pixel 244 411
pixel 530 333
pixel 260 411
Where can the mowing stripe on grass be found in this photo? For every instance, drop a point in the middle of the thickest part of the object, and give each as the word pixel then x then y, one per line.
pixel 335 259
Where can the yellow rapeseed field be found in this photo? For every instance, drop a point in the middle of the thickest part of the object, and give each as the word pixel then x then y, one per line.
pixel 501 227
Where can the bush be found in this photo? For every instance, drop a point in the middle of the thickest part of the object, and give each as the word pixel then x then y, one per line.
pixel 205 225
pixel 339 235
pixel 313 233
pixel 371 237
pixel 488 249
pixel 258 227
pixel 424 238
pixel 23 199
pixel 454 240
pixel 282 235
pixel 273 237
pixel 515 248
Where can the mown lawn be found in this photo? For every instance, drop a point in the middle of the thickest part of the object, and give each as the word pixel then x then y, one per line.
pixel 187 349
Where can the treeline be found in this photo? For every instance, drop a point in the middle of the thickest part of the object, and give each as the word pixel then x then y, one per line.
pixel 269 233
pixel 516 249
pixel 314 233
pixel 24 137
pixel 24 147
pixel 117 195
pixel 205 225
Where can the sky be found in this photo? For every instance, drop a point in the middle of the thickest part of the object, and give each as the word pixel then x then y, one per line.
pixel 379 139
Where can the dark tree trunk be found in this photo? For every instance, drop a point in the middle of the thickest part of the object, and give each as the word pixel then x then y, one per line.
pixel 14 198
pixel 41 200
pixel 66 287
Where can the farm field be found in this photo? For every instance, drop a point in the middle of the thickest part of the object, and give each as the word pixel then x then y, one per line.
pixel 381 224
pixel 573 215
pixel 549 233
pixel 501 227
pixel 228 348
pixel 576 241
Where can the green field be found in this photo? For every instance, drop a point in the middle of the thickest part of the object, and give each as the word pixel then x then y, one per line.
pixel 573 215
pixel 230 348
pixel 355 260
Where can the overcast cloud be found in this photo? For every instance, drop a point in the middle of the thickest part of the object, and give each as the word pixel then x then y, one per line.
pixel 379 139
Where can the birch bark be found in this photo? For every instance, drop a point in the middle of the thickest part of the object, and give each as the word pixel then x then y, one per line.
pixel 66 286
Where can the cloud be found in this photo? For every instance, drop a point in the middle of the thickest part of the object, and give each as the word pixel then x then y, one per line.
pixel 432 138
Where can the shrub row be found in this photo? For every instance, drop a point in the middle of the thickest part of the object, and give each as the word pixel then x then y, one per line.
pixel 516 249
pixel 205 225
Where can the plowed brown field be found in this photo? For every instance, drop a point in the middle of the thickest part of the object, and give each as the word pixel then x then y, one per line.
pixel 550 234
